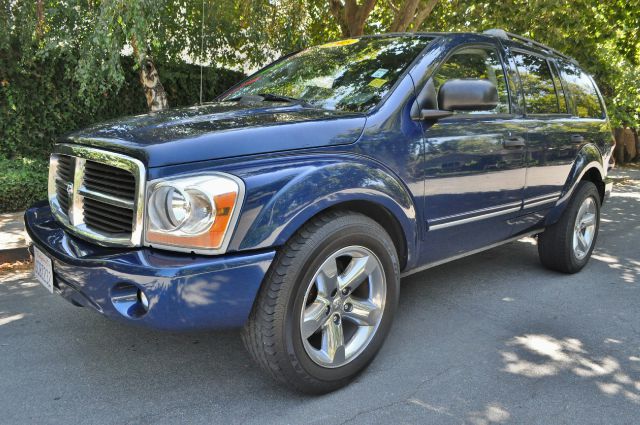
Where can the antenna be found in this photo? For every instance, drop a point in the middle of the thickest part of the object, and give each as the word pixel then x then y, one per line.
pixel 201 49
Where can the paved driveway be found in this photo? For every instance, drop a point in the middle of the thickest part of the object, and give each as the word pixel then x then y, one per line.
pixel 493 338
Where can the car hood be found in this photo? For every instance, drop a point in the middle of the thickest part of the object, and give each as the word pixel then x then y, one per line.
pixel 222 130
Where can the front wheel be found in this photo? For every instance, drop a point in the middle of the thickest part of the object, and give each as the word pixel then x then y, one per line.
pixel 326 304
pixel 567 245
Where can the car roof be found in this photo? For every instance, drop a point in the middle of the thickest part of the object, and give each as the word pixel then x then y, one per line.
pixel 494 33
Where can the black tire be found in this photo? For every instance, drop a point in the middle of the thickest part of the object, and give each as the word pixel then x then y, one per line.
pixel 555 244
pixel 272 333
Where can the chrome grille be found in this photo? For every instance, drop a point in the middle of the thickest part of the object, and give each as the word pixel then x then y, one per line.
pixel 97 194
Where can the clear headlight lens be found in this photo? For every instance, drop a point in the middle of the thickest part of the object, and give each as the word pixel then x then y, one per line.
pixel 193 212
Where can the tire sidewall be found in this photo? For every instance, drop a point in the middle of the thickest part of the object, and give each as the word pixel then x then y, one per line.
pixel 357 233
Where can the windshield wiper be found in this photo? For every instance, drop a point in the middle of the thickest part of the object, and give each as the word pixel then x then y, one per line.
pixel 278 97
pixel 270 97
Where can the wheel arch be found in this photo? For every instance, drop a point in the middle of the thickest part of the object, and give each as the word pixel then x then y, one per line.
pixel 382 216
pixel 588 166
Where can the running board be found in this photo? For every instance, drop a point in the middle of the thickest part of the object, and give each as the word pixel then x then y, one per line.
pixel 475 251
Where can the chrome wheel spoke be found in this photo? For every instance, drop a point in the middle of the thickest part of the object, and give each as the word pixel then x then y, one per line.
pixel 333 341
pixel 314 317
pixel 362 312
pixel 588 219
pixel 327 279
pixel 584 245
pixel 356 272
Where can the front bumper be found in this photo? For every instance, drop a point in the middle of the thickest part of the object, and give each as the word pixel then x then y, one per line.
pixel 183 291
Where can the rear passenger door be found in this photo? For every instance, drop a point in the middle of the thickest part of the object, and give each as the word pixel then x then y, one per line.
pixel 551 146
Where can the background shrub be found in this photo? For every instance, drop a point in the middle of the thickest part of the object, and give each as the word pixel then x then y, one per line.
pixel 22 182
pixel 40 100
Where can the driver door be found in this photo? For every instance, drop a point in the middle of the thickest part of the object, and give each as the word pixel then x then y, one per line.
pixel 474 161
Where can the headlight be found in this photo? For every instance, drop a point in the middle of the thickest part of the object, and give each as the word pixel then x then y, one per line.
pixel 193 213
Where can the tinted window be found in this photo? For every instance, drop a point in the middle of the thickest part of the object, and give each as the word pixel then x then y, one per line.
pixel 476 63
pixel 537 82
pixel 349 75
pixel 582 91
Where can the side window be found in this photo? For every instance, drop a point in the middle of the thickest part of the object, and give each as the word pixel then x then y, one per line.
pixel 583 93
pixel 476 63
pixel 537 82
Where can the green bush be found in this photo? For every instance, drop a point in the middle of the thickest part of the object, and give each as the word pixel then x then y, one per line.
pixel 40 100
pixel 22 182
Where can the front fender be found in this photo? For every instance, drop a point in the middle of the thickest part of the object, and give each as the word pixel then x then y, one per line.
pixel 283 194
pixel 587 159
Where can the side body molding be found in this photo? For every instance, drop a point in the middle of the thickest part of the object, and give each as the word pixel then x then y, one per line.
pixel 588 158
pixel 283 193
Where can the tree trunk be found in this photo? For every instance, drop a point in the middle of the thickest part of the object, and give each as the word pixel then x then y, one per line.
pixel 351 16
pixel 423 14
pixel 637 140
pixel 411 14
pixel 39 18
pixel 150 80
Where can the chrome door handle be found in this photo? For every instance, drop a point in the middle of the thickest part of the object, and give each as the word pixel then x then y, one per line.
pixel 577 138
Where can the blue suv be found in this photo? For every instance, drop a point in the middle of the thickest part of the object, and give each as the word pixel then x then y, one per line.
pixel 292 205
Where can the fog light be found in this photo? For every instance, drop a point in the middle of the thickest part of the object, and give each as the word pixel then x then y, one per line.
pixel 129 300
pixel 142 299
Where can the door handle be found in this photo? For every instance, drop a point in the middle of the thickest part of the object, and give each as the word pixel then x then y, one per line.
pixel 514 142
pixel 577 138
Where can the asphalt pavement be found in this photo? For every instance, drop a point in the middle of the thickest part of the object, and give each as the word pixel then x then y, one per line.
pixel 488 339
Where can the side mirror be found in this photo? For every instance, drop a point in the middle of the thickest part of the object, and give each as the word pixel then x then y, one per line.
pixel 468 95
pixel 462 95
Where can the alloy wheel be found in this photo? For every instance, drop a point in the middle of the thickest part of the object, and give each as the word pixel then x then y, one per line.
pixel 343 306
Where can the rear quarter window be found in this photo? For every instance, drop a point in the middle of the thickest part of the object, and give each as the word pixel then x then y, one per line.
pixel 582 92
pixel 540 93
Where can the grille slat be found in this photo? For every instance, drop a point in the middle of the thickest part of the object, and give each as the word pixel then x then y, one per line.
pixel 113 177
pixel 65 168
pixel 116 190
pixel 110 180
pixel 103 225
pixel 65 175
pixel 108 211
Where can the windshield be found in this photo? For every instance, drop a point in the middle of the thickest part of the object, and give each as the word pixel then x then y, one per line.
pixel 346 75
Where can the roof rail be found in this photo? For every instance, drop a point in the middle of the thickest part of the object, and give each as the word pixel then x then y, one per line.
pixel 500 33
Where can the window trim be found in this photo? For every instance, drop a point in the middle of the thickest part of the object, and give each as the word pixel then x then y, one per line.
pixel 555 76
pixel 544 57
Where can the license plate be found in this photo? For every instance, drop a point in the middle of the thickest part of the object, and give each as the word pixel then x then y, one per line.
pixel 43 269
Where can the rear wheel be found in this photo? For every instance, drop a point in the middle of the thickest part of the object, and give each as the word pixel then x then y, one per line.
pixel 567 245
pixel 327 303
